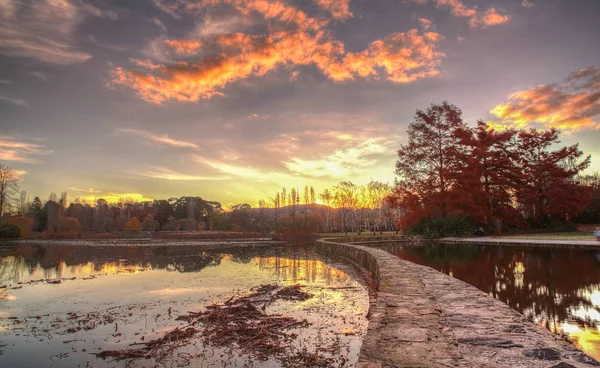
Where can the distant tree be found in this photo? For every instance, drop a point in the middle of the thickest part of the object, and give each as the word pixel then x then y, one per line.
pixel 171 225
pixel 164 211
pixel 23 203
pixel 24 223
pixel 133 225
pixel 36 211
pixel 68 227
pixel 9 184
pixel 149 224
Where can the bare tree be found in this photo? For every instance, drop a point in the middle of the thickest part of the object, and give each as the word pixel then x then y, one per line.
pixel 9 185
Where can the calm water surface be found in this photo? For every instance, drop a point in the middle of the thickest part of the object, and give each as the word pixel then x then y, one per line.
pixel 558 288
pixel 110 297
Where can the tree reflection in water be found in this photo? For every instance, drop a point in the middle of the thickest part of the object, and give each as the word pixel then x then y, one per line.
pixel 556 287
pixel 31 262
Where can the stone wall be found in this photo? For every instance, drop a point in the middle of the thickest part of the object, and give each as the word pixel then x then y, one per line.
pixel 424 318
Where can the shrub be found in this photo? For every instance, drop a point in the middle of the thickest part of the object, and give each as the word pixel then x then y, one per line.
pixel 9 231
pixel 439 227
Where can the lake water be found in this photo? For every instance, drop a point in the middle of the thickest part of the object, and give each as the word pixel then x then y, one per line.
pixel 111 297
pixel 558 288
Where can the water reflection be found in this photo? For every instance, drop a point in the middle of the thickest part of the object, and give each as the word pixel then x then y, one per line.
pixel 142 290
pixel 558 288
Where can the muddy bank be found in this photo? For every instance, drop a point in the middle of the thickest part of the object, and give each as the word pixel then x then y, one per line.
pixel 425 318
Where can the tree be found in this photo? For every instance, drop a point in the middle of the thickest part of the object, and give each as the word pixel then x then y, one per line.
pixel 9 184
pixel 38 214
pixel 428 165
pixel 590 214
pixel 485 183
pixel 548 186
pixel 149 224
pixel 133 225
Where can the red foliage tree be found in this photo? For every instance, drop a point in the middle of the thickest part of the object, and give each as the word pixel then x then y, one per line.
pixel 485 184
pixel 547 185
pixel 428 165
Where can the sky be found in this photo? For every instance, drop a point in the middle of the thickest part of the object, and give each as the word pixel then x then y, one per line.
pixel 231 100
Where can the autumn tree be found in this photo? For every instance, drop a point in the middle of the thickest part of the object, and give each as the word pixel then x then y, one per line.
pixel 590 214
pixel 9 184
pixel 489 173
pixel 548 186
pixel 133 225
pixel 428 165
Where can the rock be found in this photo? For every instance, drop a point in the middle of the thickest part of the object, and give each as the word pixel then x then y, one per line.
pixel 563 365
pixel 543 354
pixel 515 329
pixel 490 341
pixel 582 358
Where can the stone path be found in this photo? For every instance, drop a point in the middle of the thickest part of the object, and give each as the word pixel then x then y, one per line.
pixel 516 241
pixel 424 318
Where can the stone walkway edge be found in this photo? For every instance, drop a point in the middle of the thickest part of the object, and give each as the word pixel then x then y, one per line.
pixel 424 318
pixel 528 242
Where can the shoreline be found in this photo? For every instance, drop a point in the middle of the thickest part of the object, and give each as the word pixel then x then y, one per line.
pixel 522 242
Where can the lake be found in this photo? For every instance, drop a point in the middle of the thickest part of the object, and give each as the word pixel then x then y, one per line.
pixel 60 305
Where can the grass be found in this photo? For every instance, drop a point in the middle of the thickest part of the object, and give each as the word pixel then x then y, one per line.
pixel 575 235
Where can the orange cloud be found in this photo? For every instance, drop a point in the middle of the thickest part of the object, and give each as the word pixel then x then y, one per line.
pixel 339 9
pixel 294 39
pixel 11 150
pixel 490 17
pixel 184 47
pixel 571 105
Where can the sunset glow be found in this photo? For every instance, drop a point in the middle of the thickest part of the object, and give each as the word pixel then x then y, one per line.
pixel 234 99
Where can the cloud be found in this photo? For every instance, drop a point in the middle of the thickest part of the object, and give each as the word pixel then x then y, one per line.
pixel 13 150
pixel 161 139
pixel 13 100
pixel 167 7
pixel 168 174
pixel 90 190
pixel 294 39
pixel 339 9
pixel 184 47
pixel 4 81
pixel 527 4
pixel 476 18
pixel 103 45
pixel 358 154
pixel 45 30
pixel 159 23
pixel 571 105
pixel 40 75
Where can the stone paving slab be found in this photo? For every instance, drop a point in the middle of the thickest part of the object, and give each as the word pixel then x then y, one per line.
pixel 424 318
pixel 516 241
